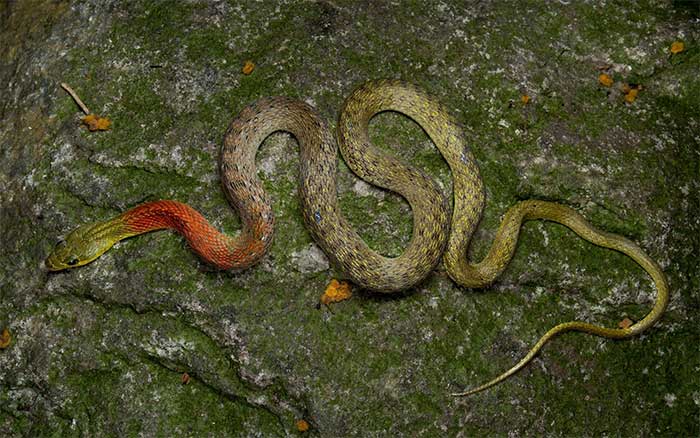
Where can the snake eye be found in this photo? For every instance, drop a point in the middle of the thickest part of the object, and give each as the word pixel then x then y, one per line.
pixel 73 261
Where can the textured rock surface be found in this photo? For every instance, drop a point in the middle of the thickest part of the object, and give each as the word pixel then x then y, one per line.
pixel 100 351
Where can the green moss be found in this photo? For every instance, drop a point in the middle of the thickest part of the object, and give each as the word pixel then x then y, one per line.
pixel 181 406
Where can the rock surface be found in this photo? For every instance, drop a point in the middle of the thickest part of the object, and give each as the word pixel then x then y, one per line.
pixel 101 350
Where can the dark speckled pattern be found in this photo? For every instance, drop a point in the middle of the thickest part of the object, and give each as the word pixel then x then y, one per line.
pixel 330 229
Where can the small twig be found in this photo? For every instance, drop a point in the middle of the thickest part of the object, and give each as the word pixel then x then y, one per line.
pixel 75 98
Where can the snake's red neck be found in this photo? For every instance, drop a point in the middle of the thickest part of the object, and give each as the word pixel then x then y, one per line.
pixel 216 248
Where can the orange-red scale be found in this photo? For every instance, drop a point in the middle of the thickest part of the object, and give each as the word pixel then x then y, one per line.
pixel 214 247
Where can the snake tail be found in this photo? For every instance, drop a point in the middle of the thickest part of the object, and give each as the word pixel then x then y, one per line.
pixel 504 245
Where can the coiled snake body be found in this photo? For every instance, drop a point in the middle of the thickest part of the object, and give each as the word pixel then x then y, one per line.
pixel 431 236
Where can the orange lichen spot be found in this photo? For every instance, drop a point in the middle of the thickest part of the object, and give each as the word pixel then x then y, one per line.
pixel 248 67
pixel 96 123
pixel 336 291
pixel 605 80
pixel 185 378
pixel 302 425
pixel 625 323
pixel 631 96
pixel 677 47
pixel 525 99
pixel 5 338
pixel 631 91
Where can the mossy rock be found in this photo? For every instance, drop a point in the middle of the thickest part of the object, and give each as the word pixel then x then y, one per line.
pixel 102 350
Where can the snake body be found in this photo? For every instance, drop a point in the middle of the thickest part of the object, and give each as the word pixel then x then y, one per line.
pixel 431 208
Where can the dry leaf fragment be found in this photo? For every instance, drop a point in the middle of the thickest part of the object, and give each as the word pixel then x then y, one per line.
pixel 677 47
pixel 525 99
pixel 336 291
pixel 625 323
pixel 5 338
pixel 302 425
pixel 96 123
pixel 248 67
pixel 605 80
pixel 185 378
pixel 92 121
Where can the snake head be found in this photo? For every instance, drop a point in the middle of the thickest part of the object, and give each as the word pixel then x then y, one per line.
pixel 81 246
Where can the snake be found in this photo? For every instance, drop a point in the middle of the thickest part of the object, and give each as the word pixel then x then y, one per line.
pixel 442 227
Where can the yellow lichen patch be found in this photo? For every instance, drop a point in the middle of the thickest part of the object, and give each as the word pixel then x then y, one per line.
pixel 248 67
pixel 5 338
pixel 302 425
pixel 677 47
pixel 96 123
pixel 625 323
pixel 525 99
pixel 605 80
pixel 336 291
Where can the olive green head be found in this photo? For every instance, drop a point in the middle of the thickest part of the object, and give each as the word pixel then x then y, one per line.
pixel 82 245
